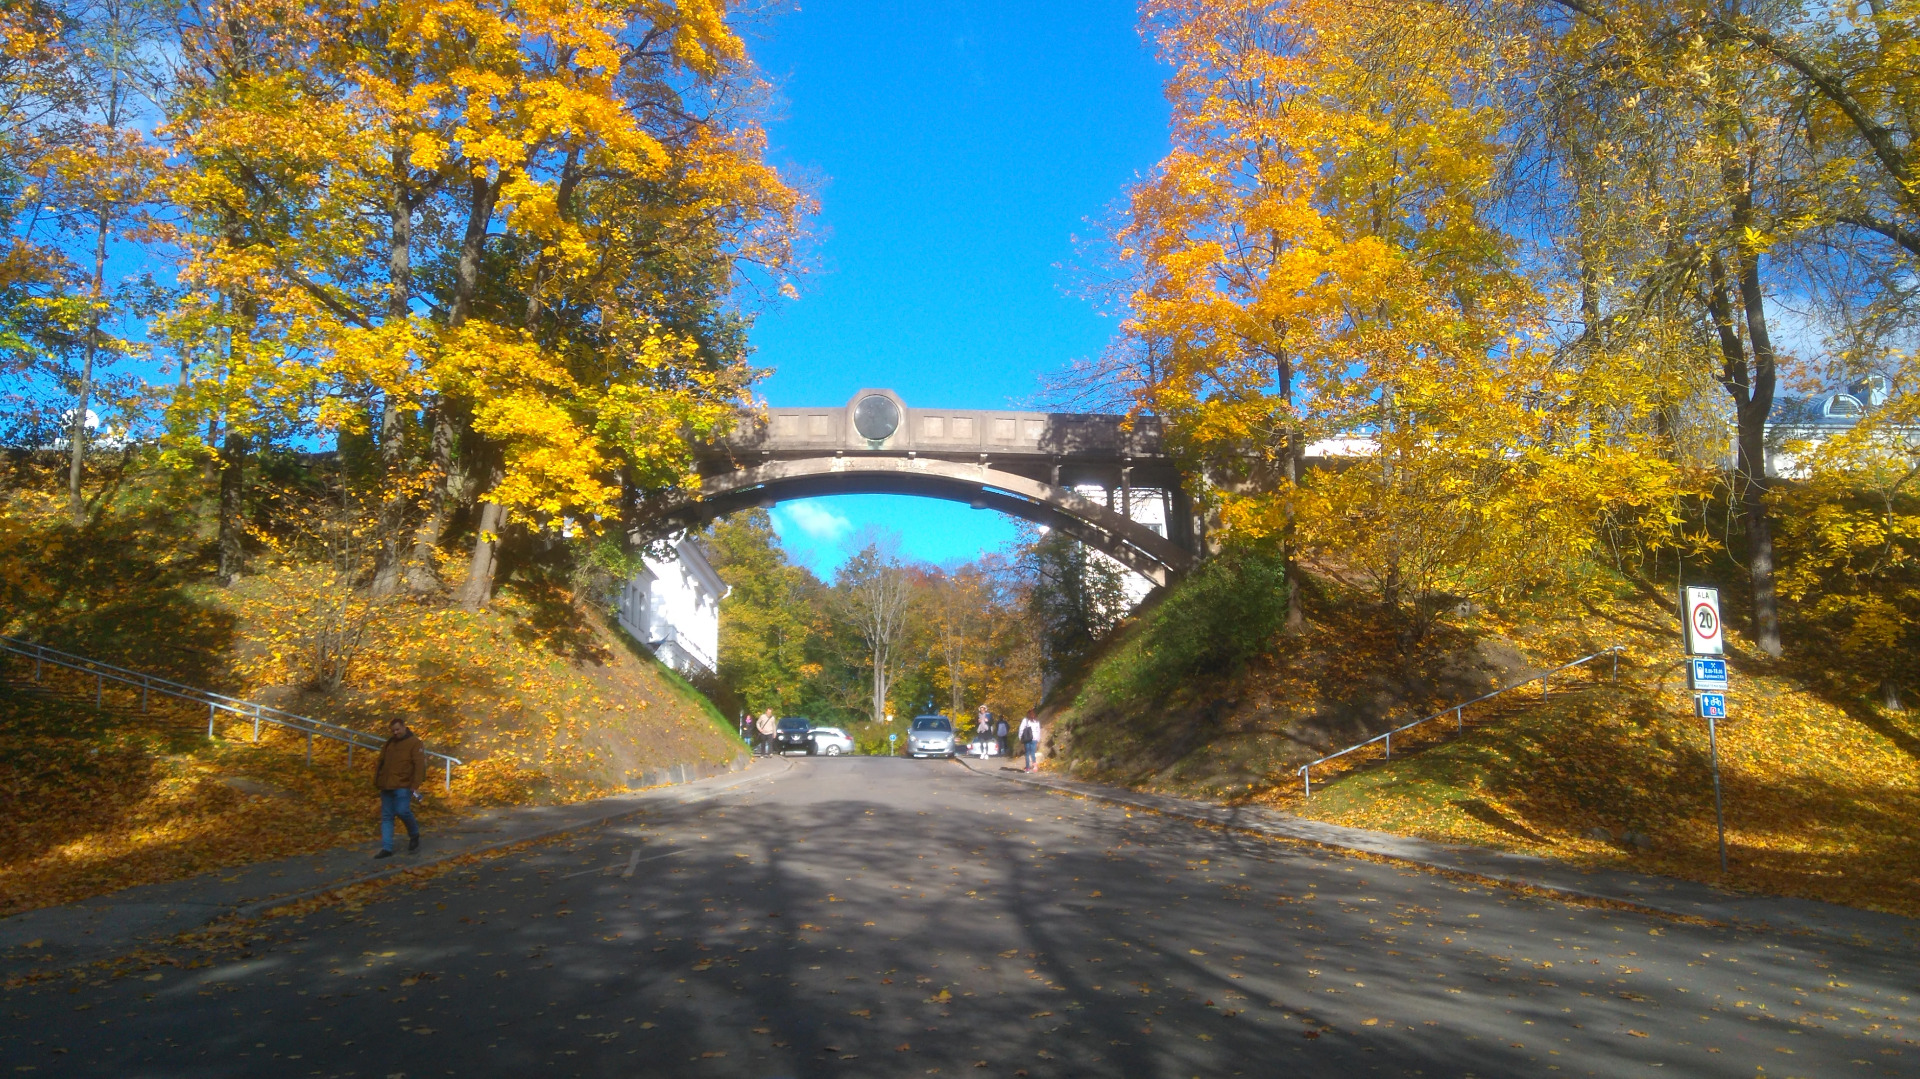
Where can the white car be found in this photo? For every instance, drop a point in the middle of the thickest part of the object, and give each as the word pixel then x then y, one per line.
pixel 831 741
pixel 930 736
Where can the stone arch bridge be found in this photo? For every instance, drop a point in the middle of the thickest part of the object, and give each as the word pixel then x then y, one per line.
pixel 1093 477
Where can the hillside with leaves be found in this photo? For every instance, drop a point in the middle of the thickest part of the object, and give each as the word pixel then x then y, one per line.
pixel 543 697
pixel 1208 695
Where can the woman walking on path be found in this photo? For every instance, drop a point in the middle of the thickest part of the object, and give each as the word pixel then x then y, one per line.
pixel 1030 740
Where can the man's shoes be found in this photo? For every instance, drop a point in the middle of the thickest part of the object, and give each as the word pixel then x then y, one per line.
pixel 384 854
pixel 413 843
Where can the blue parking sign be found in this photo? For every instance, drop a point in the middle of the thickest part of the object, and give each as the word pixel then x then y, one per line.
pixel 1712 705
pixel 1708 673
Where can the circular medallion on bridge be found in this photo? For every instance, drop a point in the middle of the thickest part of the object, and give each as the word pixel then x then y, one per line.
pixel 876 417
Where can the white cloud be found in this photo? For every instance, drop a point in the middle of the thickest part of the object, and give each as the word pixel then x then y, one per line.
pixel 816 522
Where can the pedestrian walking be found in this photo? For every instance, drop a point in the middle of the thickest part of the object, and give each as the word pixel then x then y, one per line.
pixel 983 733
pixel 397 775
pixel 767 725
pixel 1000 731
pixel 1030 740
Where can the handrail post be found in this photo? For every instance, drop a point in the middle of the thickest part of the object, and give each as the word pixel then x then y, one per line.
pixel 209 721
pixel 1306 782
pixel 1545 680
pixel 349 754
pixel 1459 724
pixel 1615 676
pixel 99 685
pixel 309 747
pixel 256 723
pixel 143 698
pixel 449 783
pixel 1389 745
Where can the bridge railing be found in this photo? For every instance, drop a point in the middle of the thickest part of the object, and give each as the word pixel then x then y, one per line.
pixel 216 703
pixel 1459 722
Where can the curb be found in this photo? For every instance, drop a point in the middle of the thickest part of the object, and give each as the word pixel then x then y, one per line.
pixel 1894 931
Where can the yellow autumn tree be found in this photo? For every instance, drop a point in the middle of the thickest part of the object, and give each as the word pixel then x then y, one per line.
pixel 1319 272
pixel 495 243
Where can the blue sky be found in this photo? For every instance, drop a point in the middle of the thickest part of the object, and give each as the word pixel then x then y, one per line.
pixel 957 150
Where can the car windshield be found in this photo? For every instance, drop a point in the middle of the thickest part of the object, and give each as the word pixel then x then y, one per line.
pixel 794 723
pixel 932 723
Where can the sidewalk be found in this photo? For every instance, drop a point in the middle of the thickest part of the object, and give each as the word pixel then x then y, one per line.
pixel 54 938
pixel 1665 895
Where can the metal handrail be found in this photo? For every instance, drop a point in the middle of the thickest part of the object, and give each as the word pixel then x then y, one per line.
pixel 215 702
pixel 1459 723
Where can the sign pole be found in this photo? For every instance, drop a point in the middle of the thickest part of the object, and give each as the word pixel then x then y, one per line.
pixel 1707 675
pixel 1719 816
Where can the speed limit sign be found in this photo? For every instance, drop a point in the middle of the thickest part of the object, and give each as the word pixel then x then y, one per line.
pixel 1701 608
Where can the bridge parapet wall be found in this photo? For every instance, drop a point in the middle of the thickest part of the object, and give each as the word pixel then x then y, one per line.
pixel 959 433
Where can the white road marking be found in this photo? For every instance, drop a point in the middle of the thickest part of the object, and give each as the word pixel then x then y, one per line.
pixel 633 860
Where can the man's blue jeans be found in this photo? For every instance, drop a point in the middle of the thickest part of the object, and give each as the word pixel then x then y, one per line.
pixel 396 803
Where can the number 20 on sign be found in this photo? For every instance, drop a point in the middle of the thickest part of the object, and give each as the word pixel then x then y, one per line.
pixel 1702 608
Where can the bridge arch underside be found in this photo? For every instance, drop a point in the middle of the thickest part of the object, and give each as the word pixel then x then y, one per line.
pixel 1134 545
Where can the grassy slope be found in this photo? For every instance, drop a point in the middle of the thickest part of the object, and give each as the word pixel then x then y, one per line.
pixel 549 702
pixel 1822 796
pixel 1204 694
pixel 1822 800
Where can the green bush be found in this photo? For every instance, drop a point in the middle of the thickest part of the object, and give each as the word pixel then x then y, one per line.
pixel 1211 624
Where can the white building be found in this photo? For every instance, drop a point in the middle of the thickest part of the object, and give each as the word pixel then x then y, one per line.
pixel 673 607
pixel 1799 426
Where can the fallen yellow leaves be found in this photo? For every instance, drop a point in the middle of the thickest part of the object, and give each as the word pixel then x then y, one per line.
pixel 1819 794
pixel 103 801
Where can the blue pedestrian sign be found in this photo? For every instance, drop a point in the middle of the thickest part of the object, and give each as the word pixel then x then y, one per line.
pixel 1712 705
pixel 1708 673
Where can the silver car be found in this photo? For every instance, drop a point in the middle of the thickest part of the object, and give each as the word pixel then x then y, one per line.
pixel 831 741
pixel 930 736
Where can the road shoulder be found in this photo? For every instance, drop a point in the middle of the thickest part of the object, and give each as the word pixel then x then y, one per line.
pixel 56 938
pixel 1661 895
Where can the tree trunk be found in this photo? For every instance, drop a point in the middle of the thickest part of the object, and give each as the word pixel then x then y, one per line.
pixel 1751 387
pixel 1753 425
pixel 393 513
pixel 1292 461
pixel 77 435
pixel 880 685
pixel 477 589
pixel 483 193
pixel 233 462
pixel 422 573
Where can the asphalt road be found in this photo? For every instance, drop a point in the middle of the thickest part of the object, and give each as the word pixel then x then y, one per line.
pixel 887 917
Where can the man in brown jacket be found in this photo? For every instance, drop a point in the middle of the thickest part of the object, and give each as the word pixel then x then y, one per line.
pixel 403 764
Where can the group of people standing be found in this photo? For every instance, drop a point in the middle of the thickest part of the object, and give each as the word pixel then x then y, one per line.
pixel 990 735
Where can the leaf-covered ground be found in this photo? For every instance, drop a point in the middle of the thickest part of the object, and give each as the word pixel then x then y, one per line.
pixel 545 699
pixel 1206 696
pixel 94 801
pixel 1822 801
